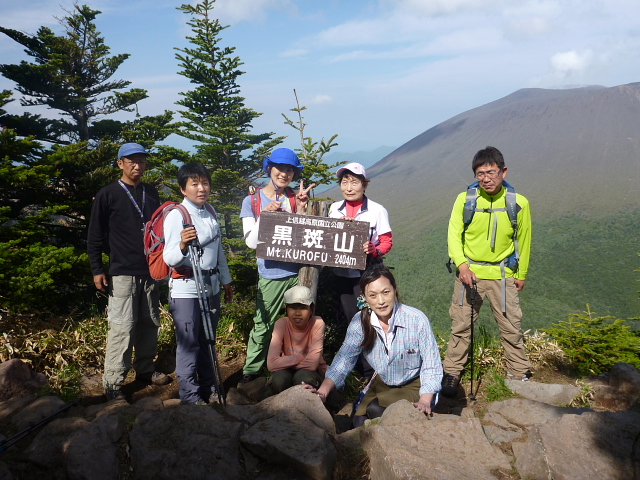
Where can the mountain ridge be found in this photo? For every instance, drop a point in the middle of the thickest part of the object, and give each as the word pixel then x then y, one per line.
pixel 574 153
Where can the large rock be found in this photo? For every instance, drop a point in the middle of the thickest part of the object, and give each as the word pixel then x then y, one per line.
pixel 13 405
pixel 590 446
pixel 92 452
pixel 46 449
pixel 5 473
pixel 623 390
pixel 294 398
pixel 184 442
pixel 17 379
pixel 526 413
pixel 291 439
pixel 426 449
pixel 498 429
pixel 37 411
pixel 551 393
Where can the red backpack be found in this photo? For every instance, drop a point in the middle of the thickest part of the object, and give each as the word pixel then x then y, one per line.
pixel 154 241
pixel 256 201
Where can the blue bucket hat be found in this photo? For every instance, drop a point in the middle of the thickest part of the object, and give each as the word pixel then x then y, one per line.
pixel 130 149
pixel 283 156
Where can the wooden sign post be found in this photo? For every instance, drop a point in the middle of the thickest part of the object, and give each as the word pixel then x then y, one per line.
pixel 312 239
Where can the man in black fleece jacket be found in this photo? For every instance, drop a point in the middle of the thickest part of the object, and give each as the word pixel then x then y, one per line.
pixel 119 213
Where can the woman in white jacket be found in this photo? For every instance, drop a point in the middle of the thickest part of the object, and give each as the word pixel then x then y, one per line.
pixel 193 363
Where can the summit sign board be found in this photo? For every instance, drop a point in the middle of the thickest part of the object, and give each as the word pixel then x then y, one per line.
pixel 332 242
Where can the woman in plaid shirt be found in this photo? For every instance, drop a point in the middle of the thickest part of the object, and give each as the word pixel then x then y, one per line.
pixel 397 341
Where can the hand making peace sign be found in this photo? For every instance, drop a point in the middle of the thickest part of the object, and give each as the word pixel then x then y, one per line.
pixel 302 197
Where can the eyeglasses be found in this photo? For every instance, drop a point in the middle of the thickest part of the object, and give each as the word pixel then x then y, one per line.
pixel 490 174
pixel 135 162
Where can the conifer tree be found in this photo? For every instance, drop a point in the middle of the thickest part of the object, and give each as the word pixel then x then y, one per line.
pixel 216 116
pixel 70 74
pixel 312 153
pixel 46 193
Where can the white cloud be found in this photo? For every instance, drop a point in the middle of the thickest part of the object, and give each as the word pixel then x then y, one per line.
pixel 428 8
pixel 528 27
pixel 234 11
pixel 566 64
pixel 320 99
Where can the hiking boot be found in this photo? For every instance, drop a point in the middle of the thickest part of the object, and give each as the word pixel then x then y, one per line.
pixel 156 378
pixel 114 395
pixel 450 385
pixel 246 378
pixel 197 402
pixel 523 378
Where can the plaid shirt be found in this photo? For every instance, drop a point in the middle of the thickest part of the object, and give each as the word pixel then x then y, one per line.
pixel 413 351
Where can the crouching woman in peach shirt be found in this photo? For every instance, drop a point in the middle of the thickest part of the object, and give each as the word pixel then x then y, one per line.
pixel 295 351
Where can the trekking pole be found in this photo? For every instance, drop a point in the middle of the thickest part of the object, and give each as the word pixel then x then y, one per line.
pixel 209 329
pixel 5 444
pixel 474 291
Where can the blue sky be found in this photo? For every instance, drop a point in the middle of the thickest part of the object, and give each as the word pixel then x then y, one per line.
pixel 374 72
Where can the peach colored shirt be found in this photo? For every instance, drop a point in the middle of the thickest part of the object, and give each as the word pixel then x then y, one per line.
pixel 291 348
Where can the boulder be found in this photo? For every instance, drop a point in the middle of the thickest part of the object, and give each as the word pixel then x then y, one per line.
pixel 589 446
pixel 623 390
pixel 526 413
pixel 92 452
pixel 292 440
pixel 13 405
pixel 254 390
pixel 5 473
pixel 47 447
pixel 18 379
pixel 235 397
pixel 426 449
pixel 551 393
pixel 37 411
pixel 294 398
pixel 148 403
pixel 184 442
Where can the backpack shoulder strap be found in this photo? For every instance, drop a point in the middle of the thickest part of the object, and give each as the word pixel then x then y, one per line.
pixel 256 203
pixel 512 206
pixel 211 210
pixel 291 195
pixel 186 216
pixel 470 203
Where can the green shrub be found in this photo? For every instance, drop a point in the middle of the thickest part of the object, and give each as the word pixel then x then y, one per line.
pixel 594 344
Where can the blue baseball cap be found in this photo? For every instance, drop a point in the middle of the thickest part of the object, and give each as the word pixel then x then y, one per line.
pixel 131 148
pixel 283 156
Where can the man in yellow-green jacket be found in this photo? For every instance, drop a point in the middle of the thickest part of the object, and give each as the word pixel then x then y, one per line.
pixel 490 247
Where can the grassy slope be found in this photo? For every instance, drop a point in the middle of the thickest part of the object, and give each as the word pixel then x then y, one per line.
pixel 575 260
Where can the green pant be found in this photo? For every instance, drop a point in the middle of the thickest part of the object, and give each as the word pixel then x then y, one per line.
pixel 269 307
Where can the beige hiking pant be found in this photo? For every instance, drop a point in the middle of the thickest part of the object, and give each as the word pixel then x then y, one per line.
pixel 509 325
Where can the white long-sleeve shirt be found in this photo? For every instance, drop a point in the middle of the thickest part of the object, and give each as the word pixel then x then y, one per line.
pixel 212 256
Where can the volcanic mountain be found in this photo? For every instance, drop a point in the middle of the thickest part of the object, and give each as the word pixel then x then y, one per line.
pixel 575 154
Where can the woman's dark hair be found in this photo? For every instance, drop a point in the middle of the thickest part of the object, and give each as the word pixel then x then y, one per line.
pixel 371 275
pixel 364 181
pixel 192 170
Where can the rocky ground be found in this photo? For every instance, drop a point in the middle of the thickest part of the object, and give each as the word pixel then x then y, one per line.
pixel 292 436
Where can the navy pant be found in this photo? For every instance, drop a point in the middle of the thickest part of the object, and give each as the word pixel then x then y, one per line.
pixel 193 361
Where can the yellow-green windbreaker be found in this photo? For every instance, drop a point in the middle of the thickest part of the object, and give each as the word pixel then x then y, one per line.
pixel 475 242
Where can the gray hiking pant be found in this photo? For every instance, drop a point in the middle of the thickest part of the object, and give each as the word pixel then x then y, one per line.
pixel 134 321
